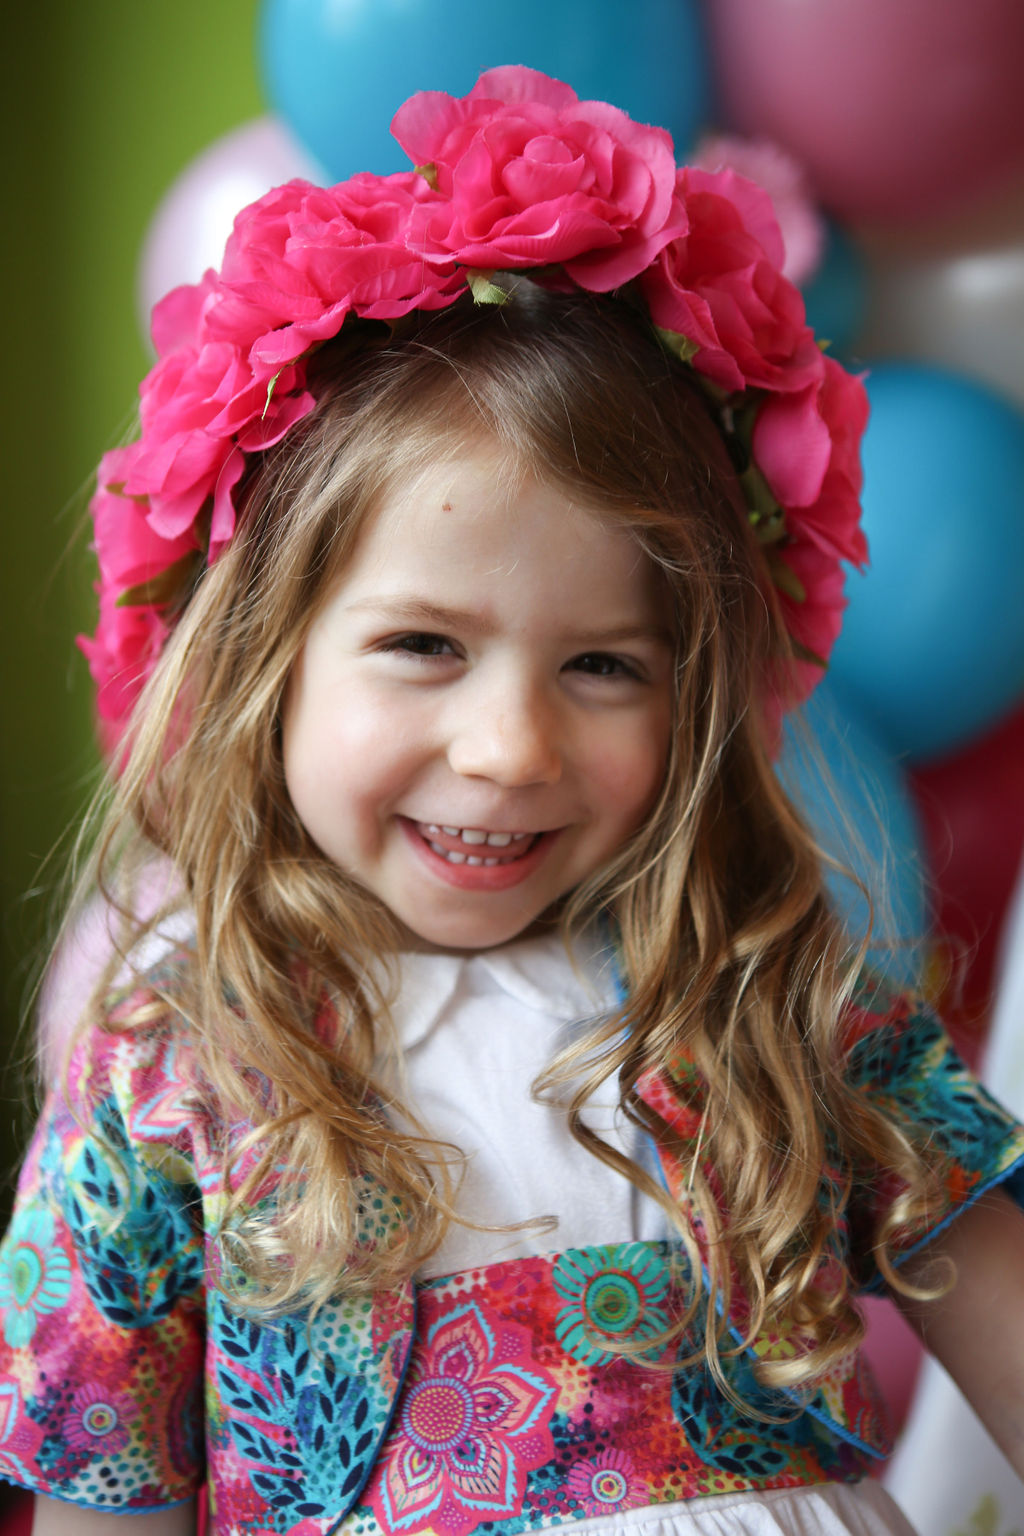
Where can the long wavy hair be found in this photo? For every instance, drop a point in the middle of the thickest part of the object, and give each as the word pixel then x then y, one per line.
pixel 728 947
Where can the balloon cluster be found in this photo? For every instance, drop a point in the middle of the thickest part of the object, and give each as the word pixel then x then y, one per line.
pixel 891 139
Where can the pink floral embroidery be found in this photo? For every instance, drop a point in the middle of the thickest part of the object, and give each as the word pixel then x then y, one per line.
pixel 470 1426
pixel 12 1424
pixel 97 1415
pixel 164 1101
pixel 606 1484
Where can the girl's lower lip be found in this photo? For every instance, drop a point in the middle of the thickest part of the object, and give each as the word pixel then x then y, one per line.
pixel 478 877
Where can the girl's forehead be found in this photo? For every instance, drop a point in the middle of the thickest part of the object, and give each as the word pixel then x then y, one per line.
pixel 467 529
pixel 480 493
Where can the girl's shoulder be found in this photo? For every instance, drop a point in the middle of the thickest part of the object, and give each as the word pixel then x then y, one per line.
pixel 130 1070
pixel 900 1056
pixel 895 1046
pixel 878 1006
pixel 141 1016
pixel 86 983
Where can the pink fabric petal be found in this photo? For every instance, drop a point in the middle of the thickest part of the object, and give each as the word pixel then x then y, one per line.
pixel 222 523
pixel 514 83
pixel 753 204
pixel 128 548
pixel 600 270
pixel 792 446
pixel 171 516
pixel 423 123
pixel 530 179
pixel 279 419
pixel 177 317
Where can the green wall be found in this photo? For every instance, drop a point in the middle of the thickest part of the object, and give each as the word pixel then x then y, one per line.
pixel 104 105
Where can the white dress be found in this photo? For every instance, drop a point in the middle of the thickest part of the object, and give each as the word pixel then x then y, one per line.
pixel 476 1030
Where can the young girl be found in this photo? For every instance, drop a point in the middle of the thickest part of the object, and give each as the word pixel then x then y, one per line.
pixel 483 1124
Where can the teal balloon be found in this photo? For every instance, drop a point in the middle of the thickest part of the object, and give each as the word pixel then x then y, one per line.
pixel 336 71
pixel 837 293
pixel 932 646
pixel 855 797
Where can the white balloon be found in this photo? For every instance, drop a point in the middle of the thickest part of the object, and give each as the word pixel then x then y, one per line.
pixel 963 309
pixel 194 219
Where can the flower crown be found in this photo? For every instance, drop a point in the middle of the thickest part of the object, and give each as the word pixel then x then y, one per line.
pixel 517 175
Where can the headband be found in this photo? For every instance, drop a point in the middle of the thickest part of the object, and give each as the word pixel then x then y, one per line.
pixel 518 175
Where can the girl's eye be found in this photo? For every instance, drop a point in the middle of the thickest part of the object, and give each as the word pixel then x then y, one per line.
pixel 420 645
pixel 603 664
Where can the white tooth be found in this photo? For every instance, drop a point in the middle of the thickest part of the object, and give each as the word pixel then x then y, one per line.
pixel 491 862
pixel 517 837
pixel 498 839
pixel 450 831
pixel 438 849
pixel 456 858
pixel 432 830
pixel 472 859
pixel 471 835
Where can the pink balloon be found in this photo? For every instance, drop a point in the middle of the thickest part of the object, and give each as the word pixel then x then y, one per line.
pixel 897 108
pixel 194 219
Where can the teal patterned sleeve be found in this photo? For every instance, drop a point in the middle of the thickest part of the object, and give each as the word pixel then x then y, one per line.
pixel 903 1058
pixel 101 1303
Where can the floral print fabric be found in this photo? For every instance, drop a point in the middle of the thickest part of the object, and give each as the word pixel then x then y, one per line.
pixel 127 1378
pixel 514 1413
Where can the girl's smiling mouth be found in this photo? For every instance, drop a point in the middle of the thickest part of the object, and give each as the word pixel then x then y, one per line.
pixel 474 858
pixel 472 845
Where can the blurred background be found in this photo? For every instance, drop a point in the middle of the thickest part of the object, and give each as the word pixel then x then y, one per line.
pixel 103 107
pixel 889 133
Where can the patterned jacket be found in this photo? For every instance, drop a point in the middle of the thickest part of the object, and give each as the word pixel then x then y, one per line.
pixel 123 1375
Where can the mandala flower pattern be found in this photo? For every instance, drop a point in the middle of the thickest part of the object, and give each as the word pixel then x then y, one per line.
pixel 469 1429
pixel 607 1484
pixel 35 1276
pixel 97 1415
pixel 614 1295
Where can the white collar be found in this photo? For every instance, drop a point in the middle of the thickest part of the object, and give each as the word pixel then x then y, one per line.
pixel 536 972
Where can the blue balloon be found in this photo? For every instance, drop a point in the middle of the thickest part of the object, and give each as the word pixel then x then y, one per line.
pixel 337 72
pixel 836 295
pixel 854 795
pixel 932 648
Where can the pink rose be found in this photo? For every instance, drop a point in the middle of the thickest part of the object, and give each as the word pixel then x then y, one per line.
pixel 177 319
pixel 129 552
pixel 128 548
pixel 813 623
pixel 834 519
pixel 807 445
pixel 533 176
pixel 126 646
pixel 771 168
pixel 723 290
pixel 200 408
pixel 303 257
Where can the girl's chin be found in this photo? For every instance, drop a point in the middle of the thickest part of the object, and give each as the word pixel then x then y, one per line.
pixel 442 936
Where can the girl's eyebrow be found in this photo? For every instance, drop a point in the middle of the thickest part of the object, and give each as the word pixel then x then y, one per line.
pixel 415 610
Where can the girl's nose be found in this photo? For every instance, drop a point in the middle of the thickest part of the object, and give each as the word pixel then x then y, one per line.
pixel 514 742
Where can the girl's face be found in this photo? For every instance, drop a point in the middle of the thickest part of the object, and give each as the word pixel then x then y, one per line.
pixel 480 715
